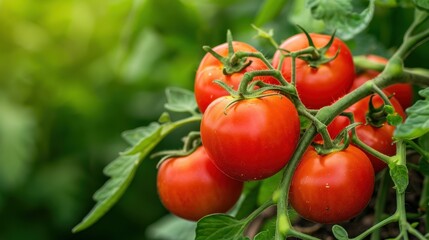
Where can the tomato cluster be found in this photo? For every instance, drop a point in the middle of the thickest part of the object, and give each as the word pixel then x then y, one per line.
pixel 248 137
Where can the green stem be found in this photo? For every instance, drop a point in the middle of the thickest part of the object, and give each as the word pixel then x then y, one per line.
pixel 258 211
pixel 380 203
pixel 424 200
pixel 390 219
pixel 362 62
pixel 424 153
pixel 283 224
pixel 404 226
pixel 266 35
pixel 416 233
pixel 403 223
pixel 383 96
pixel 300 235
pixel 418 76
pixel 393 73
pixel 372 151
pixel 320 127
pixel 293 77
pixel 241 54
pixel 181 122
pixel 286 89
pixel 411 41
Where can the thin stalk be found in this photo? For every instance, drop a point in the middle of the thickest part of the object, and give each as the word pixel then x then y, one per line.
pixel 293 77
pixel 393 73
pixel 423 203
pixel 259 55
pixel 287 88
pixel 259 210
pixel 412 41
pixel 400 195
pixel 372 151
pixel 380 203
pixel 320 127
pixel 419 149
pixel 403 223
pixel 383 96
pixel 390 219
pixel 300 235
pixel 283 224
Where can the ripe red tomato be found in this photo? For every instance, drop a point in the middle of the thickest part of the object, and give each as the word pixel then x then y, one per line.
pixel 403 92
pixel 379 138
pixel 332 188
pixel 253 138
pixel 211 69
pixel 192 187
pixel 318 86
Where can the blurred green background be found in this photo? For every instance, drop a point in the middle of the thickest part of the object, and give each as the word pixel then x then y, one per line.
pixel 74 74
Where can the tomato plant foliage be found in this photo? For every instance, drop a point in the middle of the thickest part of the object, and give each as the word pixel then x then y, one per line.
pixel 249 109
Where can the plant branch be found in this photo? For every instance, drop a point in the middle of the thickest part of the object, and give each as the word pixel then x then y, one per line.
pixel 380 203
pixel 283 225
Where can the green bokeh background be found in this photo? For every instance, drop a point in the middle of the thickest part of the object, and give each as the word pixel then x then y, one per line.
pixel 74 74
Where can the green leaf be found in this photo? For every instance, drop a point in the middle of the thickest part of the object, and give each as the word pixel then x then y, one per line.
pixel 340 233
pixel 121 171
pixel 300 15
pixel 149 137
pixel 265 235
pixel 339 15
pixel 220 226
pixel 171 227
pixel 134 136
pixel 423 4
pixel 180 100
pixel 417 122
pixel 399 174
pixel 268 230
pixel 269 11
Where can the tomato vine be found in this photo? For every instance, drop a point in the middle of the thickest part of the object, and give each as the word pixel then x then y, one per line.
pixel 237 156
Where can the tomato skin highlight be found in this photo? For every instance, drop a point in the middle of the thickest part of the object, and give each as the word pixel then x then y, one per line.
pixel 332 188
pixel 379 138
pixel 251 139
pixel 321 86
pixel 211 69
pixel 192 187
pixel 403 92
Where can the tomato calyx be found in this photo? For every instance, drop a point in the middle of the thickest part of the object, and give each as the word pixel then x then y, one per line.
pixel 340 143
pixel 191 143
pixel 232 63
pixel 316 56
pixel 375 117
pixel 249 89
